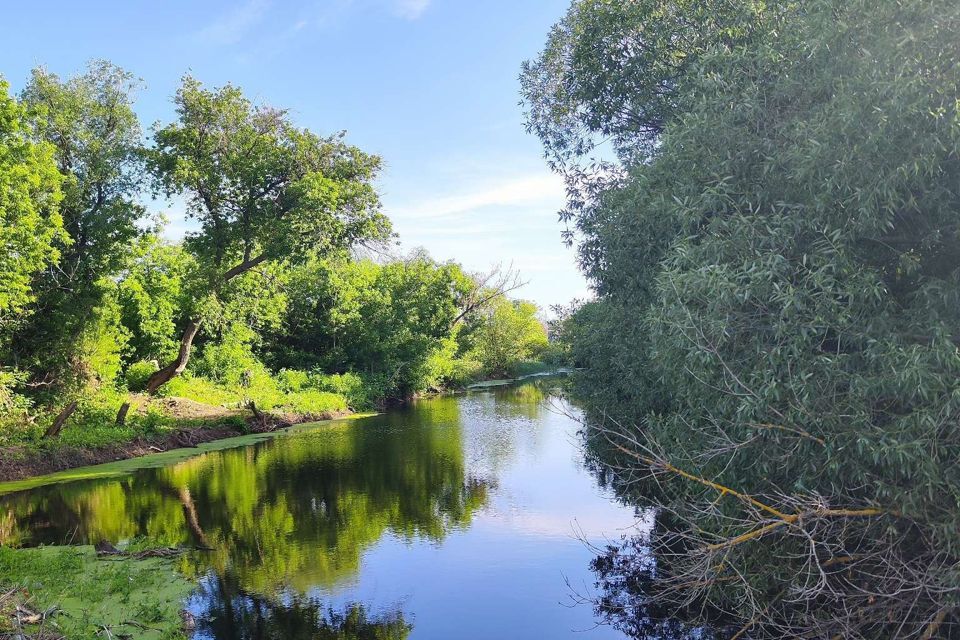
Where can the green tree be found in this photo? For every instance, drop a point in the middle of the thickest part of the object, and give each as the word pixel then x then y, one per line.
pixel 261 189
pixel 153 291
pixel 388 322
pixel 508 333
pixel 90 123
pixel 31 231
pixel 31 226
pixel 777 320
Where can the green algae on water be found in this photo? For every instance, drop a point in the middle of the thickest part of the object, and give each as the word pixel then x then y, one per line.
pixel 141 599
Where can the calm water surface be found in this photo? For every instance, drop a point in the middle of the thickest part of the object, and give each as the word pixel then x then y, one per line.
pixel 459 517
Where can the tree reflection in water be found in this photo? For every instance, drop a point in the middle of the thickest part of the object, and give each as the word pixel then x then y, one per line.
pixel 227 612
pixel 284 516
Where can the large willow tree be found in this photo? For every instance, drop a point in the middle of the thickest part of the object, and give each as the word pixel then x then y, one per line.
pixel 72 341
pixel 778 279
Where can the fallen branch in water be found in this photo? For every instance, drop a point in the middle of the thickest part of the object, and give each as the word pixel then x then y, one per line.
pixel 782 519
pixel 105 550
pixel 791 519
pixel 108 628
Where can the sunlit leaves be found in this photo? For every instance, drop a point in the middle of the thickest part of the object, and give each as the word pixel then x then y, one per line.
pixel 31 227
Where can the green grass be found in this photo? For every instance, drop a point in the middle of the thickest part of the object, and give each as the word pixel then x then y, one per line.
pixel 93 425
pixel 267 396
pixel 89 594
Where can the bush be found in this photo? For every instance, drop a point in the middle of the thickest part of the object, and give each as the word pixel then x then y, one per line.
pixel 139 372
pixel 777 316
pixel 314 403
pixel 510 334
pixel 358 393
pixel 556 355
pixel 292 380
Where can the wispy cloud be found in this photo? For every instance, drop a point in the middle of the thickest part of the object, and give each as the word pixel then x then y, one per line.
pixel 546 188
pixel 234 25
pixel 411 9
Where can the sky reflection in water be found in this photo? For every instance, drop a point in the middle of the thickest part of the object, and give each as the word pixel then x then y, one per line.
pixel 455 518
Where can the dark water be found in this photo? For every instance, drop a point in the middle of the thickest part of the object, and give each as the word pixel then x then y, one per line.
pixel 460 517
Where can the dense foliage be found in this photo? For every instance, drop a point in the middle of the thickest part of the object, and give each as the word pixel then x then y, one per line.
pixel 390 322
pixel 31 224
pixel 507 333
pixel 265 301
pixel 777 323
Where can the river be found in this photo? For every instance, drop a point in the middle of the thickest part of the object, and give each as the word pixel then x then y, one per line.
pixel 468 516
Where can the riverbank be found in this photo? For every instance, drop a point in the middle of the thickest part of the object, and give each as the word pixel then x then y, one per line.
pixel 502 382
pixel 171 424
pixel 182 424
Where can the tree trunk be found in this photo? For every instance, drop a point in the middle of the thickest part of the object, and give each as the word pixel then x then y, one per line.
pixel 257 414
pixel 243 267
pixel 176 367
pixel 122 414
pixel 54 430
pixel 190 513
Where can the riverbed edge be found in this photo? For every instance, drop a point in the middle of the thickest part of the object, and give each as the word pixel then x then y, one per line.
pixel 19 466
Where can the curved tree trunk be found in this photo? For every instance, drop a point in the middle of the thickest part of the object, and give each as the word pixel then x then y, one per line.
pixel 176 367
pixel 170 371
pixel 190 513
pixel 54 429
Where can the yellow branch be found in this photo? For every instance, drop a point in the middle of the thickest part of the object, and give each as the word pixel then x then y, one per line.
pixel 792 518
pixel 709 483
pixel 796 430
pixel 935 624
pixel 783 519
pixel 842 560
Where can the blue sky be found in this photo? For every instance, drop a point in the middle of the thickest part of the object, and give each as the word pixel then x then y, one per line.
pixel 431 85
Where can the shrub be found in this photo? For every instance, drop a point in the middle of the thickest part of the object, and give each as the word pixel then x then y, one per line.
pixel 292 380
pixel 139 372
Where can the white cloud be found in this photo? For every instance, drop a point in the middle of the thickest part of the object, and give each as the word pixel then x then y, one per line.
pixel 411 9
pixel 231 27
pixel 544 188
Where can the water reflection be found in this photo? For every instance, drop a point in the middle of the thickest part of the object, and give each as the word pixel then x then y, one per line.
pixel 229 612
pixel 425 516
pixel 295 512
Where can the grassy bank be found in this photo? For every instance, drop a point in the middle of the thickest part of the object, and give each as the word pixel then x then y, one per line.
pixel 187 403
pixel 192 411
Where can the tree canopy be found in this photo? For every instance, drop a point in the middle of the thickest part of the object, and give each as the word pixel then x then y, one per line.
pixel 261 189
pixel 31 226
pixel 269 287
pixel 777 315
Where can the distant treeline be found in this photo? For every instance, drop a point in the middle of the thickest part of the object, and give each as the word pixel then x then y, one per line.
pixel 266 299
pixel 766 200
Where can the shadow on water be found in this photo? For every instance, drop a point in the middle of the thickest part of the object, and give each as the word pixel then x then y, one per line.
pixel 382 527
